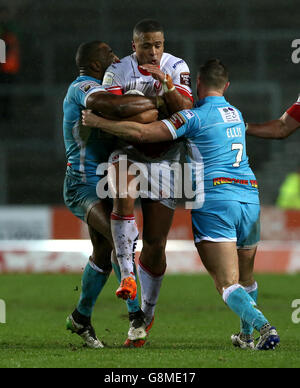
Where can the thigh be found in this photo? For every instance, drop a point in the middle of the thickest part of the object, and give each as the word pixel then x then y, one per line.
pixel 79 197
pixel 221 261
pixel 216 222
pixel 249 226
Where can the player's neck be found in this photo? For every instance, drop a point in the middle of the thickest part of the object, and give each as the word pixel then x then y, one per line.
pixel 211 93
pixel 84 72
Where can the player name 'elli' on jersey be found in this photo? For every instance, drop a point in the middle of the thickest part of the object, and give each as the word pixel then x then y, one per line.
pixel 128 75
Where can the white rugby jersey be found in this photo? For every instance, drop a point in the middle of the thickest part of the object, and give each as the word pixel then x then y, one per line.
pixel 128 75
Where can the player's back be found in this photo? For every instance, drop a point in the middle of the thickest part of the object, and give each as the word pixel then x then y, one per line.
pixel 85 147
pixel 216 148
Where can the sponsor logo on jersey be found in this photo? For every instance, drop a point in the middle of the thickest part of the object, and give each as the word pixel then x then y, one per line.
pixel 108 78
pixel 89 85
pixel 177 121
pixel 185 79
pixel 224 181
pixel 189 114
pixel 178 63
pixel 229 114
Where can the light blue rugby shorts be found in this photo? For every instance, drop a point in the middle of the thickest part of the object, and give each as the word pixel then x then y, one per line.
pixel 79 197
pixel 227 221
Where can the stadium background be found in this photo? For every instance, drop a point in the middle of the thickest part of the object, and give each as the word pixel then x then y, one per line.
pixel 252 38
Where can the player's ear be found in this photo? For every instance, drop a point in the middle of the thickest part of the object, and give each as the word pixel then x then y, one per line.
pixel 133 46
pixel 95 66
pixel 226 86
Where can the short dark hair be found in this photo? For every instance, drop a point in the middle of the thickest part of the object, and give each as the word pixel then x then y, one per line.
pixel 214 73
pixel 147 25
pixel 87 52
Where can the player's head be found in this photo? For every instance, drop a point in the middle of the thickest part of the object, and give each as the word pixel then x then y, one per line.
pixel 93 58
pixel 213 78
pixel 148 42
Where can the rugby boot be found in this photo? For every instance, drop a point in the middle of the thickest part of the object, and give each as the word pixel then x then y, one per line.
pixel 269 338
pixel 243 341
pixel 138 330
pixel 127 289
pixel 86 332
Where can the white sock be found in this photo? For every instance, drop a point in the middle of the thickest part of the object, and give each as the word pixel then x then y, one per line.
pixel 150 288
pixel 125 235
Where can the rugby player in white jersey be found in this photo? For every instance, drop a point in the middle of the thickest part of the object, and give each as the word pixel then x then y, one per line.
pixel 154 73
pixel 280 128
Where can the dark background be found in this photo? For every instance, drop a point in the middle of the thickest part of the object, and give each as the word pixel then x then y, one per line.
pixel 252 37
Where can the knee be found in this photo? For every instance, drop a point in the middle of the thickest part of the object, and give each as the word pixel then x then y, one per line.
pixel 156 246
pixel 103 262
pixel 124 206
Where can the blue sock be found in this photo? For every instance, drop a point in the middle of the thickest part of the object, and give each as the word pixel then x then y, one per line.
pixel 240 302
pixel 92 283
pixel 253 292
pixel 132 305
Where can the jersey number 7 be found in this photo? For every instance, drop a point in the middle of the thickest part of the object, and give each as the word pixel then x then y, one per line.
pixel 237 147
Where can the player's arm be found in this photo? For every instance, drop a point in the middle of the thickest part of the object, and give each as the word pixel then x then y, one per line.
pixel 130 131
pixel 274 129
pixel 149 116
pixel 114 106
pixel 175 100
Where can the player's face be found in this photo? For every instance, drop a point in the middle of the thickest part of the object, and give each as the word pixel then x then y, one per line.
pixel 107 56
pixel 149 47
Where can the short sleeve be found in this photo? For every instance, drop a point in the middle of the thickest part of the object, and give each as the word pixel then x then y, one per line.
pixel 182 78
pixel 84 89
pixel 112 80
pixel 182 124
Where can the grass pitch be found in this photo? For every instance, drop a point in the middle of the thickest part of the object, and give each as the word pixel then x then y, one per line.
pixel 192 328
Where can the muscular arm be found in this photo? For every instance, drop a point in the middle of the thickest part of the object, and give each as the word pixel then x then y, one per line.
pixel 130 131
pixel 275 129
pixel 175 101
pixel 113 106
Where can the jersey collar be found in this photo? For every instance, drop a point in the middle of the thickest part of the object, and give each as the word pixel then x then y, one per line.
pixel 210 99
pixel 88 78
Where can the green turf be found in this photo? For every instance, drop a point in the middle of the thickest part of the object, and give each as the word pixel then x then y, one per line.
pixel 192 327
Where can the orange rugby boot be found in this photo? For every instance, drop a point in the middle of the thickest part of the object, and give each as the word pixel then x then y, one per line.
pixel 127 289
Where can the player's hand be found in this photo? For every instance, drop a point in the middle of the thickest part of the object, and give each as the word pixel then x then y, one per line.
pixel 154 71
pixel 89 119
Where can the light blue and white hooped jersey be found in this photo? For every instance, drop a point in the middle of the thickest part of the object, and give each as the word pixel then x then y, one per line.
pixel 86 147
pixel 216 151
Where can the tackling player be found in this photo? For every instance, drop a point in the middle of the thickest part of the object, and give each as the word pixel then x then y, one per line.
pixel 153 72
pixel 226 214
pixel 86 148
pixel 278 129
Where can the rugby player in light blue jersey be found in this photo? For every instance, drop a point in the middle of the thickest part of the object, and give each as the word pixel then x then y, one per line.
pixel 226 211
pixel 86 149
